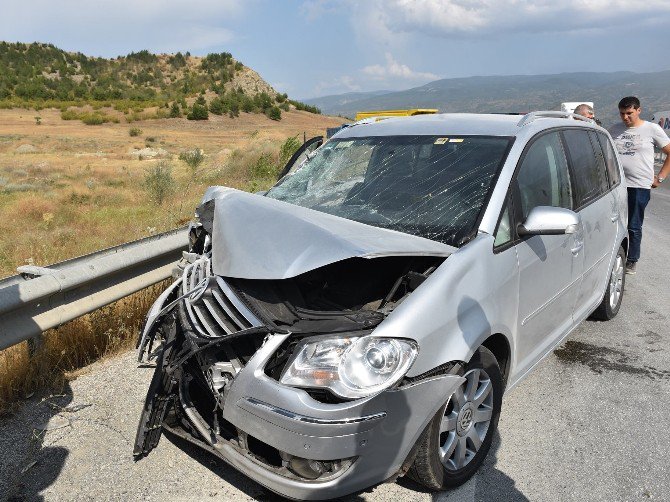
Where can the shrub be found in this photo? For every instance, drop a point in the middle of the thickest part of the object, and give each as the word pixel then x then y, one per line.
pixel 193 158
pixel 198 112
pixel 302 106
pixel 94 119
pixel 247 105
pixel 287 149
pixel 263 168
pixel 159 183
pixel 177 61
pixel 234 109
pixel 69 115
pixel 217 107
pixel 135 131
pixel 175 112
pixel 273 113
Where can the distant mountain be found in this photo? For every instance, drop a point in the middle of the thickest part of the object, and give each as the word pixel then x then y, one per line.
pixel 342 100
pixel 519 93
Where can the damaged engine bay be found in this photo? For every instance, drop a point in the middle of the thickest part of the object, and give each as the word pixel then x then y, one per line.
pixel 212 325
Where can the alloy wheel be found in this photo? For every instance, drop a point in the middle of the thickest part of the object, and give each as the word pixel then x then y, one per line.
pixel 466 420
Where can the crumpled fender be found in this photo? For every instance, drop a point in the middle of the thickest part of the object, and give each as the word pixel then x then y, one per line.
pixel 155 312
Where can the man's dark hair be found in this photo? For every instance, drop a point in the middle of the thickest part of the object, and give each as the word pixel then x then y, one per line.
pixel 628 102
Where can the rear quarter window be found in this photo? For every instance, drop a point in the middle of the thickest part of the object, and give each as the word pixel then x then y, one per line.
pixel 610 160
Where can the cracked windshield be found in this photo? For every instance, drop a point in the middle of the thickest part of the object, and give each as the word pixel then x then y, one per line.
pixel 429 186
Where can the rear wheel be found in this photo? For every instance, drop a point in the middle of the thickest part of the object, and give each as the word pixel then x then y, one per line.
pixel 611 303
pixel 457 439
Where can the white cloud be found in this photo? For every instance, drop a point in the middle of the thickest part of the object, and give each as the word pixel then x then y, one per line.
pixel 314 9
pixel 390 75
pixel 345 83
pixel 394 69
pixel 458 17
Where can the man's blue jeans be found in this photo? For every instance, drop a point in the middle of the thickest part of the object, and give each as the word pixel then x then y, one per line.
pixel 638 198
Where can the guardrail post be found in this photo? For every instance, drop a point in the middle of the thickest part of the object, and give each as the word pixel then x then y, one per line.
pixel 35 345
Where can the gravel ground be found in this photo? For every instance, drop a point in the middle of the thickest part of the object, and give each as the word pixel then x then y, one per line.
pixel 589 423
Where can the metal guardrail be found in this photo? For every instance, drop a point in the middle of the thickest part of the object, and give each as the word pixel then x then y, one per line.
pixel 40 298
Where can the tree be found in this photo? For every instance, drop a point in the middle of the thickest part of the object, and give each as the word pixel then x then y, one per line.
pixel 198 112
pixel 175 112
pixel 217 107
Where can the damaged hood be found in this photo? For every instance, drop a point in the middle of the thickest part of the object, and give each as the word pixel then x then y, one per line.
pixel 255 237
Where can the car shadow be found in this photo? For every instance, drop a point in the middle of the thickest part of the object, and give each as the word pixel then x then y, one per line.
pixel 489 483
pixel 231 475
pixel 221 469
pixel 29 466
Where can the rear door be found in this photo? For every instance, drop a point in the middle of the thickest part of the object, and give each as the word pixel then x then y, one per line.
pixel 550 266
pixel 599 212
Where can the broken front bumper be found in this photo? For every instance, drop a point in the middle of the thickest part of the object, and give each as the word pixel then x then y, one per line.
pixel 377 433
pixel 359 443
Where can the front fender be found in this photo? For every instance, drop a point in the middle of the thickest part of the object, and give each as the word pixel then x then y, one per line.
pixel 153 315
pixel 471 296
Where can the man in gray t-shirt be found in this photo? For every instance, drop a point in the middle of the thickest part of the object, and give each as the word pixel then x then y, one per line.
pixel 635 139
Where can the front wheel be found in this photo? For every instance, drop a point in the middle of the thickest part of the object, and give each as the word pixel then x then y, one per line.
pixel 456 441
pixel 611 303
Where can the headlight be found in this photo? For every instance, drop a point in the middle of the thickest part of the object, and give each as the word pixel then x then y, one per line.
pixel 350 366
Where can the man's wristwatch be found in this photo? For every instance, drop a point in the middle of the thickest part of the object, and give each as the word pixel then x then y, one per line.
pixel 659 179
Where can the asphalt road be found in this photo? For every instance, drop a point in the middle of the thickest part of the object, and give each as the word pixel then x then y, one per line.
pixel 590 423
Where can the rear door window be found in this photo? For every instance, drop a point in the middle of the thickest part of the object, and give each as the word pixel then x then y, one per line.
pixel 590 177
pixel 610 160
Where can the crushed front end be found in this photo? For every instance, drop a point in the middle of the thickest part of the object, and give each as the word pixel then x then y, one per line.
pixel 248 370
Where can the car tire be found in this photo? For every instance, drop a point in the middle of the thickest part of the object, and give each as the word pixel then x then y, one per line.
pixel 454 444
pixel 609 307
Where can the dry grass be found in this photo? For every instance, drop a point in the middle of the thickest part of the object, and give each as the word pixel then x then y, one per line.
pixel 72 346
pixel 83 190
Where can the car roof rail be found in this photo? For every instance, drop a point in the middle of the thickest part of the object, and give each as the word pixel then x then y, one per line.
pixel 529 117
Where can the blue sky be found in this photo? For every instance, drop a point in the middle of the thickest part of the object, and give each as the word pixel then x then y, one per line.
pixel 310 48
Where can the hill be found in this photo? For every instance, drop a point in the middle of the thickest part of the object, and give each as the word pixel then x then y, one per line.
pixel 337 101
pixel 41 75
pixel 518 93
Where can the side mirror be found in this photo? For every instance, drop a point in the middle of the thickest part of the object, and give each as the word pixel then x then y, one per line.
pixel 546 220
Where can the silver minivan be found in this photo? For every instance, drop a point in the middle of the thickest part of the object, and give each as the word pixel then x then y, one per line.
pixel 362 319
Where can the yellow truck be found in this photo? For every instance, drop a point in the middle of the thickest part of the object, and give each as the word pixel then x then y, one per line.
pixel 395 113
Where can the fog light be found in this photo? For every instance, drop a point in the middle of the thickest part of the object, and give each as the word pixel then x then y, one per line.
pixel 309 469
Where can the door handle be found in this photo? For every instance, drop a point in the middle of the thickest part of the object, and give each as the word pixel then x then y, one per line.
pixel 575 250
pixel 615 216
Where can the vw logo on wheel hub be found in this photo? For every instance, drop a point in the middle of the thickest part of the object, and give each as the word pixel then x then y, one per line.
pixel 464 421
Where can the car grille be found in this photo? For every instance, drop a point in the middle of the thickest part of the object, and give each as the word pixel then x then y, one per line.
pixel 213 307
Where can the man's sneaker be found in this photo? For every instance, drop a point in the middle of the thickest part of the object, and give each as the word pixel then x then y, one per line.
pixel 630 267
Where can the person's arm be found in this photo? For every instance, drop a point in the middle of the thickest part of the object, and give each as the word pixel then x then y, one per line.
pixel 665 170
pixel 663 142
